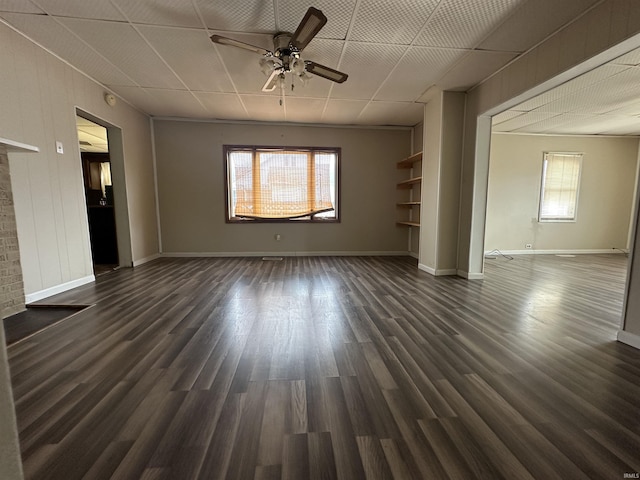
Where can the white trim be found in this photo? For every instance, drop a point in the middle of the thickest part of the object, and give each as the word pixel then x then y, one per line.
pixel 470 276
pixel 594 251
pixel 435 272
pixel 563 135
pixel 63 287
pixel 13 146
pixel 286 124
pixel 155 183
pixel 629 338
pixel 284 254
pixel 146 259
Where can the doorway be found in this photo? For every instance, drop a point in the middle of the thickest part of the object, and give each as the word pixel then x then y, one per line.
pixel 96 169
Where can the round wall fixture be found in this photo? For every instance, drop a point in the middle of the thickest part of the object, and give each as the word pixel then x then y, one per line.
pixel 110 99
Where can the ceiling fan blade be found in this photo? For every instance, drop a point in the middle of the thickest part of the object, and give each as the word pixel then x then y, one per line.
pixel 311 24
pixel 272 82
pixel 326 72
pixel 235 43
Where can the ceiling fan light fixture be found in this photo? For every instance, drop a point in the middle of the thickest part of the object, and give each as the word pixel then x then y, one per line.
pixel 297 66
pixel 267 65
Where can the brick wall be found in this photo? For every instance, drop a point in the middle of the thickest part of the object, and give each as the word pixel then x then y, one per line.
pixel 11 287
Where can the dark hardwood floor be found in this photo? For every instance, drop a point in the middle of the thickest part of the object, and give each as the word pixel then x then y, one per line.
pixel 334 367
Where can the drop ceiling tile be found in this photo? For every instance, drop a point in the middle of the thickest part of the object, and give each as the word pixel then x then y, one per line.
pixel 532 23
pixel 123 46
pixel 397 22
pixel 460 24
pixel 343 112
pixel 632 127
pixel 523 120
pixel 594 76
pixel 392 113
pixel 325 52
pixel 164 103
pixel 474 67
pixel 179 13
pixel 596 124
pixel 304 110
pixel 223 106
pixel 551 124
pixel 264 108
pixel 631 58
pixel 420 68
pixel 291 12
pixel 368 65
pixel 506 115
pixel 95 9
pixel 45 30
pixel 19 6
pixel 192 55
pixel 256 16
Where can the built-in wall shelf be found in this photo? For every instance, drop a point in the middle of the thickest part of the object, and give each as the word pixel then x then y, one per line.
pixel 409 202
pixel 410 183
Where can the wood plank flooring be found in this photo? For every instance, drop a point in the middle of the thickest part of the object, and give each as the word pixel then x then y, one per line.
pixel 334 367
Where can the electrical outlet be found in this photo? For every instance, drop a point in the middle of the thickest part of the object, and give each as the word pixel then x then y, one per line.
pixel 528 245
pixel 277 237
pixel 59 147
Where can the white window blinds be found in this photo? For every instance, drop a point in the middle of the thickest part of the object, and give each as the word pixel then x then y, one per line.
pixel 559 191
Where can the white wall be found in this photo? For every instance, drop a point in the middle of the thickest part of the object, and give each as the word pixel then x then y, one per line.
pixel 39 95
pixel 191 182
pixel 604 202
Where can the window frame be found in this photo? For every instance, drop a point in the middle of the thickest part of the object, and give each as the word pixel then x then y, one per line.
pixel 573 219
pixel 227 149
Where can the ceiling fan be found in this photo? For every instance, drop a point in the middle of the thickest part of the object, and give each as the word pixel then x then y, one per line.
pixel 285 57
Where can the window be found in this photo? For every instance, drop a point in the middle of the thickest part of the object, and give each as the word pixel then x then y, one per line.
pixel 559 191
pixel 282 184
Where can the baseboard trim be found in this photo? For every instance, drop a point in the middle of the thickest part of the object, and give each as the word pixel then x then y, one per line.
pixel 470 276
pixel 285 254
pixel 435 272
pixel 595 251
pixel 142 261
pixel 628 338
pixel 63 287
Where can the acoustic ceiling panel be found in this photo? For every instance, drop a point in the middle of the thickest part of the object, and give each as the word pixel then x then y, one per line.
pixel 180 13
pixel 123 46
pixel 175 103
pixel 522 121
pixel 59 40
pixel 19 6
pixel 192 55
pixel 506 115
pixel 304 110
pixel 551 124
pixel 533 22
pixel 344 112
pixel 222 105
pixel 290 12
pixel 396 22
pixel 252 16
pixel 457 24
pixel 420 68
pixel 392 113
pixel 474 67
pixel 368 65
pixel 583 81
pixel 95 9
pixel 264 108
pixel 593 123
pixel 631 58
pixel 631 127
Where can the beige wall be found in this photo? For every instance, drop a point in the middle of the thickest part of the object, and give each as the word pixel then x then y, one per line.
pixel 191 190
pixel 604 202
pixel 39 95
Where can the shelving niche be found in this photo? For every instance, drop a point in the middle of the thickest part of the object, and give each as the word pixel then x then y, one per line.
pixel 409 199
